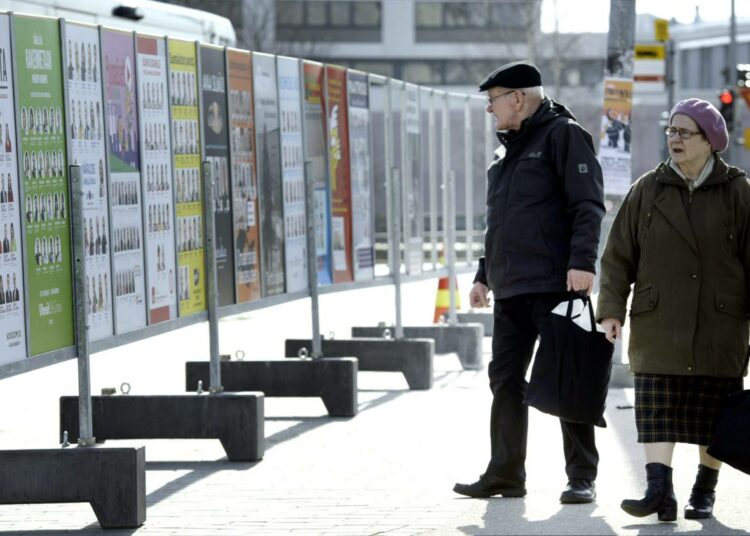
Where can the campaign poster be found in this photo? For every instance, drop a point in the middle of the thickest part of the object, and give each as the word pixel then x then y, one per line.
pixel 292 174
pixel 216 146
pixel 123 156
pixel 86 149
pixel 244 184
pixel 316 152
pixel 361 172
pixel 12 328
pixel 268 158
pixel 183 91
pixel 614 145
pixel 41 147
pixel 339 173
pixel 411 196
pixel 156 178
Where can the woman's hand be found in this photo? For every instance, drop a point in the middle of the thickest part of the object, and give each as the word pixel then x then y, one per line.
pixel 612 329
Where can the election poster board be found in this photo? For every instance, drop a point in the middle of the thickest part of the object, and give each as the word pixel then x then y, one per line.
pixel 292 173
pixel 339 173
pixel 41 148
pixel 12 314
pixel 361 173
pixel 123 158
pixel 244 184
pixel 614 145
pixel 316 152
pixel 216 151
pixel 411 196
pixel 86 149
pixel 268 158
pixel 186 147
pixel 156 175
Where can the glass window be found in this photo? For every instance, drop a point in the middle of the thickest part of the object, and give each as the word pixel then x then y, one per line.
pixel 367 13
pixel 422 72
pixel 290 13
pixel 429 14
pixel 341 13
pixel 316 13
pixel 455 14
pixel 508 14
pixel 382 68
pixel 478 15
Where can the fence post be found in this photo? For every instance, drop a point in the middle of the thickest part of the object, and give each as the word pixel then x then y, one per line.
pixel 209 225
pixel 312 259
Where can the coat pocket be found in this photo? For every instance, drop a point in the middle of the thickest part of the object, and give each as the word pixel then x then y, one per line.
pixel 731 305
pixel 645 300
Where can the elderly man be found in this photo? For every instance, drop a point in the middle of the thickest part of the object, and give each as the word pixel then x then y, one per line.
pixel 544 210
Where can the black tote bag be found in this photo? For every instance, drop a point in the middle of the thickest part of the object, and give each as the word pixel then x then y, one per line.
pixel 572 366
pixel 731 443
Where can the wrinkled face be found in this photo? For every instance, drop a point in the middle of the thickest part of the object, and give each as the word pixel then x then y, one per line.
pixel 691 151
pixel 503 104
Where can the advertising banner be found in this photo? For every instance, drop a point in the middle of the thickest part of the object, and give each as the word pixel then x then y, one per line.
pixel 41 147
pixel 614 147
pixel 86 148
pixel 216 146
pixel 412 181
pixel 361 170
pixel 339 174
pixel 183 86
pixel 268 158
pixel 243 178
pixel 12 328
pixel 156 175
pixel 292 174
pixel 124 163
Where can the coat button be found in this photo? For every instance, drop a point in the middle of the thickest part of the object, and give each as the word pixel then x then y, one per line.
pixel 693 276
pixel 690 368
pixel 721 306
pixel 651 304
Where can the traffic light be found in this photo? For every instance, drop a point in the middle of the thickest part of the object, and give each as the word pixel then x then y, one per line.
pixel 726 98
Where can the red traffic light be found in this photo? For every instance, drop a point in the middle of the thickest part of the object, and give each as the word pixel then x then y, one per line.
pixel 726 97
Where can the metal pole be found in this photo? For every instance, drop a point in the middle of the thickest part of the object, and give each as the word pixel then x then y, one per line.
pixel 468 178
pixel 446 170
pixel 451 247
pixel 312 260
pixel 85 424
pixel 387 164
pixel 432 162
pixel 396 252
pixel 732 153
pixel 209 225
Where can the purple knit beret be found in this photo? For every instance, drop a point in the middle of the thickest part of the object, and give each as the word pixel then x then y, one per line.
pixel 708 119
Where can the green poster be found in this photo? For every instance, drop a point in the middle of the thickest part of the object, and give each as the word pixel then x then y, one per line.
pixel 46 214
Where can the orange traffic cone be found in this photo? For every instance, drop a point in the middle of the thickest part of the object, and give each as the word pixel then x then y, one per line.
pixel 443 299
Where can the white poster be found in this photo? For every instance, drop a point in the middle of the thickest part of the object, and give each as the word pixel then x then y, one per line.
pixel 12 329
pixel 292 174
pixel 614 145
pixel 156 166
pixel 85 134
pixel 412 181
pixel 361 170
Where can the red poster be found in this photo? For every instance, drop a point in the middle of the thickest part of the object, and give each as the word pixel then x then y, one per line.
pixel 339 173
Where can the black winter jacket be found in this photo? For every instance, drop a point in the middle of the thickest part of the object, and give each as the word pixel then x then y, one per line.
pixel 545 203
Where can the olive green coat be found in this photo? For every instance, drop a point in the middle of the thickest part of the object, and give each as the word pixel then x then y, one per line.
pixel 689 257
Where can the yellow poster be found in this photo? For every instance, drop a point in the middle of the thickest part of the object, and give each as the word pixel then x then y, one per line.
pixel 183 87
pixel 614 147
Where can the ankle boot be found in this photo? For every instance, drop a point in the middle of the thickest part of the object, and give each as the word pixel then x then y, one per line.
pixel 659 497
pixel 701 503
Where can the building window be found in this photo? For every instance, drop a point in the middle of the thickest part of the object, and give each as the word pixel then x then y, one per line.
pixel 341 13
pixel 367 14
pixel 317 13
pixel 422 72
pixel 429 15
pixel 383 68
pixel 290 13
pixel 333 20
pixel 471 21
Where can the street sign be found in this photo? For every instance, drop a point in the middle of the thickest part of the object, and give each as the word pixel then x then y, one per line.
pixel 649 52
pixel 747 139
pixel 745 92
pixel 661 29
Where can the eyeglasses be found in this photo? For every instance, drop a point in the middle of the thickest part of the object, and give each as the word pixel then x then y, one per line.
pixel 684 133
pixel 491 99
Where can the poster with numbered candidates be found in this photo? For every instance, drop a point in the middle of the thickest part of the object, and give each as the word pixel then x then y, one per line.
pixel 361 173
pixel 186 140
pixel 86 149
pixel 118 51
pixel 243 177
pixel 12 328
pixel 411 189
pixel 268 158
pixel 292 174
pixel 156 178
pixel 41 149
pixel 339 173
pixel 316 152
pixel 216 147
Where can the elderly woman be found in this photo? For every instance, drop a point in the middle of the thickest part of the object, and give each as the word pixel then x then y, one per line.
pixel 682 236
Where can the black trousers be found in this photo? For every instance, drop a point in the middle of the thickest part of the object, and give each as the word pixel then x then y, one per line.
pixel 517 324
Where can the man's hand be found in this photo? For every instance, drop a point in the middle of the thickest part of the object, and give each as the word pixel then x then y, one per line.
pixel 612 329
pixel 478 295
pixel 580 281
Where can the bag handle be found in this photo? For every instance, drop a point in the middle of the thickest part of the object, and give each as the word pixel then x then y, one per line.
pixel 587 304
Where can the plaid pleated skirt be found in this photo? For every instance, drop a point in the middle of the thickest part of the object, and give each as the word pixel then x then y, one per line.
pixel 679 409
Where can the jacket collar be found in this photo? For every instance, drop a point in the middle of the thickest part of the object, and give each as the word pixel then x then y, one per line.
pixel 547 111
pixel 720 174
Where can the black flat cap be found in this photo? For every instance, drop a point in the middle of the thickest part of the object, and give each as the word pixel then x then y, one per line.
pixel 513 76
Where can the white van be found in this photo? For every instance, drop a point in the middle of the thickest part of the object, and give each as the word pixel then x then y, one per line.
pixel 144 16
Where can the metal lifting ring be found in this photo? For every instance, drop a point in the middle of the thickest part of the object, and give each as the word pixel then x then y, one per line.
pixel 125 388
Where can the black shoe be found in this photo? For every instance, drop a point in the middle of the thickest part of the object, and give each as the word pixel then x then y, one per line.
pixel 578 491
pixel 489 485
pixel 659 496
pixel 702 498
